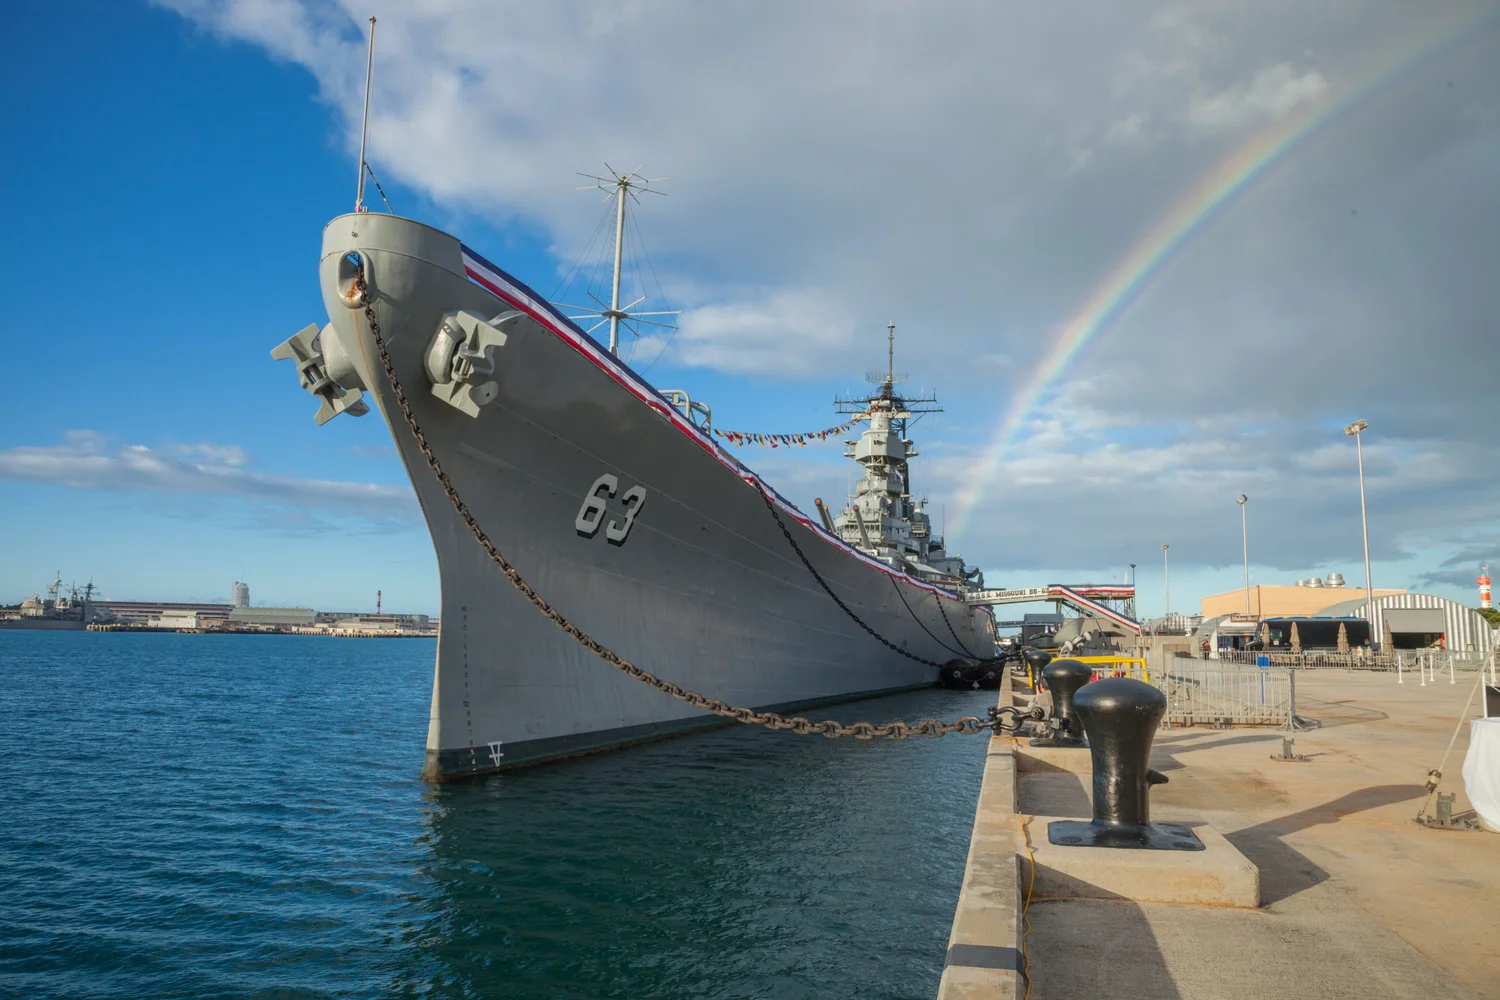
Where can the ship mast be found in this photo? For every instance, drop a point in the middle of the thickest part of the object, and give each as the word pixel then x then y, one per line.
pixel 619 187
pixel 364 127
pixel 622 188
pixel 890 353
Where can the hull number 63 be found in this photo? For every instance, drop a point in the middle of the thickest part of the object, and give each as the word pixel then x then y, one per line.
pixel 591 514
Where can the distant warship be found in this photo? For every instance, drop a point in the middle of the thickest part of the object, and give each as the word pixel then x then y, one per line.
pixel 56 611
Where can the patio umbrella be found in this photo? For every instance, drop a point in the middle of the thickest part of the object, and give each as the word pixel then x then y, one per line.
pixel 1343 638
pixel 1296 639
pixel 1386 642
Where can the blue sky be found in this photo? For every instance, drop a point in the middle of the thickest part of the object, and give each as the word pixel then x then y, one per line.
pixel 170 178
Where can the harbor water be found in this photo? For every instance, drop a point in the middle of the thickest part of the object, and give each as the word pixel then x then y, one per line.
pixel 199 815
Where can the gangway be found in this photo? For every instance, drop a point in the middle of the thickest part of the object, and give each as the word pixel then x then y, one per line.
pixel 1086 598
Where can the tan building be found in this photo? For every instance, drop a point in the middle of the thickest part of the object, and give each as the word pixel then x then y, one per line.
pixel 176 619
pixel 1276 601
pixel 288 617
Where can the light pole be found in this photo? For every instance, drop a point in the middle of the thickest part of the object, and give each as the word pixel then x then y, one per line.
pixel 1132 590
pixel 1354 430
pixel 1166 568
pixel 1242 499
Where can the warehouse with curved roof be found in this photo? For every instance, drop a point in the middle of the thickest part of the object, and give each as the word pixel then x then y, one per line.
pixel 1417 621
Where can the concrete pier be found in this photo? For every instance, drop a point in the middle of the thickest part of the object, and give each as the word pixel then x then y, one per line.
pixel 1355 899
pixel 984 947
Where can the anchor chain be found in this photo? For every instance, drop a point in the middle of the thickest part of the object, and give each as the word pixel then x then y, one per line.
pixel 967 725
pixel 829 590
pixel 983 660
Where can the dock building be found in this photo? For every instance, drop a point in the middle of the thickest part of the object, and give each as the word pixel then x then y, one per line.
pixel 141 612
pixel 175 618
pixel 1415 621
pixel 358 620
pixel 276 617
pixel 1305 597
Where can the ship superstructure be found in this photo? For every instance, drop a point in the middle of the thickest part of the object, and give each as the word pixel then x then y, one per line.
pixel 884 518
pixel 57 611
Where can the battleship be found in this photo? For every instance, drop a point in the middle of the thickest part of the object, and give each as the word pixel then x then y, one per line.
pixel 609 572
pixel 614 501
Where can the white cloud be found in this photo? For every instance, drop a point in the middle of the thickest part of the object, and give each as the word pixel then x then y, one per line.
pixel 90 461
pixel 782 333
pixel 974 173
pixel 1275 92
pixel 219 454
pixel 1128 131
pixel 1094 495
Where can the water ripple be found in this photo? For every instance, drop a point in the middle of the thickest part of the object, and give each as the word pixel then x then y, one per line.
pixel 200 816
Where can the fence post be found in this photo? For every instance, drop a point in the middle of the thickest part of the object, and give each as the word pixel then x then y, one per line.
pixel 1291 697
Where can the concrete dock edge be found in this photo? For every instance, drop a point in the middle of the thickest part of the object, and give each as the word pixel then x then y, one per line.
pixel 984 948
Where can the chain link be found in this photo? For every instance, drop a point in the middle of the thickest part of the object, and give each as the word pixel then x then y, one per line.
pixel 967 725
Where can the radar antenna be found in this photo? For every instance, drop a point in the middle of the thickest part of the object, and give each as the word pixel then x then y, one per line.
pixel 890 376
pixel 620 187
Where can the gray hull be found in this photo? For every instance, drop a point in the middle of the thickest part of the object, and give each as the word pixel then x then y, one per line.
pixel 703 590
pixel 43 624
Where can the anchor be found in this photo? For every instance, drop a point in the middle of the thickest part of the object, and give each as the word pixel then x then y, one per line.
pixel 1120 715
pixel 1063 678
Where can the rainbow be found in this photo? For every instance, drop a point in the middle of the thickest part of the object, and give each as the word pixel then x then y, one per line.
pixel 1150 256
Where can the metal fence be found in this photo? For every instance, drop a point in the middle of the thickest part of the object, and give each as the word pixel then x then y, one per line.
pixel 1429 665
pixel 1439 660
pixel 1116 665
pixel 1206 692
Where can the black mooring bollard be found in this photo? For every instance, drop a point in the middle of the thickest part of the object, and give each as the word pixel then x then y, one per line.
pixel 1036 659
pixel 1063 678
pixel 1120 716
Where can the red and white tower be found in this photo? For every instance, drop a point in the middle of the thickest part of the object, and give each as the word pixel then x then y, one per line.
pixel 1484 586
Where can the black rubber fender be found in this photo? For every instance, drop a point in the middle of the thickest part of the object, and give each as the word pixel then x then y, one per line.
pixel 959 674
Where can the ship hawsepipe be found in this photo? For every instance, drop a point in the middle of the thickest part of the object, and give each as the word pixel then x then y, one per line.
pixel 690 576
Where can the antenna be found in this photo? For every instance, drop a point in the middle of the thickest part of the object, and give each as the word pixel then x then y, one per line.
pixel 364 128
pixel 890 376
pixel 890 352
pixel 620 186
